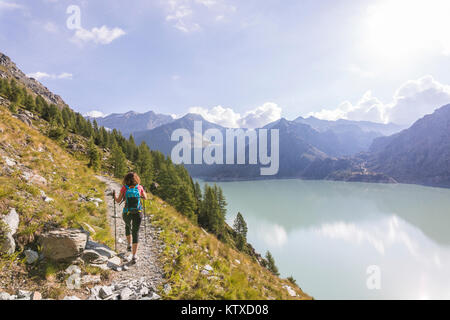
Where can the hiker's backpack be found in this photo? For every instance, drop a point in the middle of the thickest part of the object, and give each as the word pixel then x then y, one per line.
pixel 132 199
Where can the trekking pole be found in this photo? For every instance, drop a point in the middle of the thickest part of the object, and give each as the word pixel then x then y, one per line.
pixel 115 222
pixel 145 225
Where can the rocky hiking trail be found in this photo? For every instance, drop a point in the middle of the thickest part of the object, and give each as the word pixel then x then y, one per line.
pixel 146 275
pixel 141 281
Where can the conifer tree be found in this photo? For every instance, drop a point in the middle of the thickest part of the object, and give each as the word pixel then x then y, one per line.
pixel 144 165
pixel 94 155
pixel 118 161
pixel 210 215
pixel 271 264
pixel 240 226
pixel 221 201
pixel 197 195
pixel 185 202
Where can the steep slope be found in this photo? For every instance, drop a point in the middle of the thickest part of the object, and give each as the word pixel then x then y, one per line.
pixel 9 70
pixel 47 185
pixel 131 121
pixel 198 266
pixel 420 154
pixel 350 137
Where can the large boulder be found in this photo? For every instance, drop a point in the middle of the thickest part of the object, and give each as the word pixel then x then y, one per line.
pixel 8 227
pixel 12 220
pixel 63 244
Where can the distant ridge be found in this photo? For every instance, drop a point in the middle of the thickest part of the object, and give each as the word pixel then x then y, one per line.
pixel 132 121
pixel 420 154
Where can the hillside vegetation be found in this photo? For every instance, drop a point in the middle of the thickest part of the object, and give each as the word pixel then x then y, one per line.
pixel 49 157
pixel 44 184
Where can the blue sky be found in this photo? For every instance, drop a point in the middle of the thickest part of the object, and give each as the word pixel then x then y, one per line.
pixel 233 61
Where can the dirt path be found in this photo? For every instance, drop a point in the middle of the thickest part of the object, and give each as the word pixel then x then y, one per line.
pixel 148 267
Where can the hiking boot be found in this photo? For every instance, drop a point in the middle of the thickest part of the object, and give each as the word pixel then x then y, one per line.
pixel 129 248
pixel 133 260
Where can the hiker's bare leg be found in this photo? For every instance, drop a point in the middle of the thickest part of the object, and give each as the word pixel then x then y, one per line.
pixel 134 249
pixel 129 240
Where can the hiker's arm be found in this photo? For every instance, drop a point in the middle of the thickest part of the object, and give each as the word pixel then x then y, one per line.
pixel 143 194
pixel 118 199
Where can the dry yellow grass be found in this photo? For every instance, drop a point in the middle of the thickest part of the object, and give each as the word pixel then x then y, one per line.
pixel 188 248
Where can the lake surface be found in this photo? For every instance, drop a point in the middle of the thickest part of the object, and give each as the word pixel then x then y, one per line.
pixel 327 234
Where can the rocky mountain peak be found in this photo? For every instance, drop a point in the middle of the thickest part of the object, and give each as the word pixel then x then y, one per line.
pixel 9 70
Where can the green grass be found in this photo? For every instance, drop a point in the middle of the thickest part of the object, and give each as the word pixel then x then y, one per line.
pixel 22 143
pixel 188 249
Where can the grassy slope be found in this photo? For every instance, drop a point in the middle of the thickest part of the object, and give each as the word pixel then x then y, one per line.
pixel 35 152
pixel 188 248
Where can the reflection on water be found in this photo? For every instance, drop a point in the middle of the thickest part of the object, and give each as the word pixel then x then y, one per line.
pixel 326 234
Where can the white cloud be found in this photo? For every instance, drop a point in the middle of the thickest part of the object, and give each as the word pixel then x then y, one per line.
pixel 272 235
pixel 381 237
pixel 252 119
pixel 225 117
pixel 413 100
pixel 259 117
pixel 184 14
pixel 95 114
pixel 5 5
pixel 102 35
pixel 43 75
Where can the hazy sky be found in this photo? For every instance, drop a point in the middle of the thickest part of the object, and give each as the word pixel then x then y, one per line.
pixel 239 60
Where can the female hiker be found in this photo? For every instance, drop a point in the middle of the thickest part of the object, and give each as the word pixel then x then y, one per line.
pixel 131 193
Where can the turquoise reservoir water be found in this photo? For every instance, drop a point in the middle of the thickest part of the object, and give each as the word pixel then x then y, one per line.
pixel 327 234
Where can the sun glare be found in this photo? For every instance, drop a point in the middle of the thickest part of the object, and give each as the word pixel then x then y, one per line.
pixel 402 29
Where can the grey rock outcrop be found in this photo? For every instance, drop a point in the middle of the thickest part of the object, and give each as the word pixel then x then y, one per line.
pixel 63 244
pixel 8 228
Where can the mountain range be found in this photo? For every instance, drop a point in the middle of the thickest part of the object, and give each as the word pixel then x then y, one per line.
pixel 337 150
pixel 131 121
pixel 419 154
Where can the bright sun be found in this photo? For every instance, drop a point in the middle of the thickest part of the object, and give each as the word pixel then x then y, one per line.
pixel 401 29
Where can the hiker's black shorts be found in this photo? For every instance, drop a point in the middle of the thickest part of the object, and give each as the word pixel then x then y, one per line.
pixel 132 224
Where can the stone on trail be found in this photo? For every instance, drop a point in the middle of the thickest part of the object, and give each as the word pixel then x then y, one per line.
pixel 12 221
pixel 126 293
pixel 144 291
pixel 36 296
pixel 208 267
pixel 114 262
pixel 102 266
pixel 71 298
pixel 9 162
pixel 155 296
pixel 290 291
pixel 63 244
pixel 31 256
pixel 105 292
pixel 101 249
pixel 167 288
pixel 73 269
pixel 5 296
pixel 89 279
pixel 23 294
pixel 93 256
